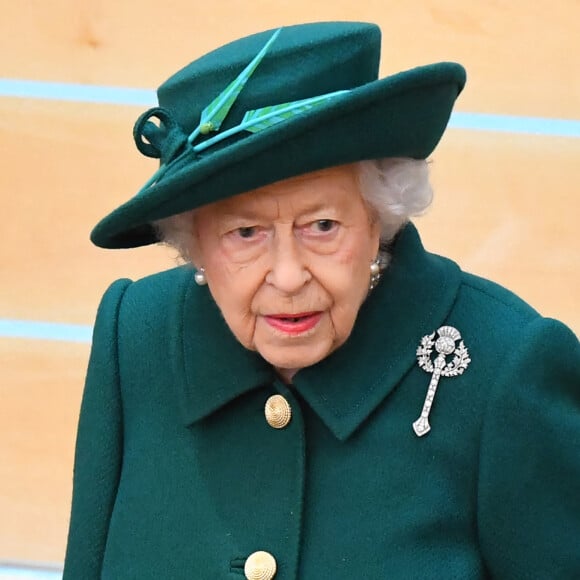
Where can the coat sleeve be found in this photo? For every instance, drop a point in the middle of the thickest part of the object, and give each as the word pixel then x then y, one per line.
pixel 99 448
pixel 529 486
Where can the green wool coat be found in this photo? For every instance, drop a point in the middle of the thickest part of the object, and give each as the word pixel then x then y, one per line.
pixel 178 475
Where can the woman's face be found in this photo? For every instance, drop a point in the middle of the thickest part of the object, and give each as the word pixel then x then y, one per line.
pixel 288 264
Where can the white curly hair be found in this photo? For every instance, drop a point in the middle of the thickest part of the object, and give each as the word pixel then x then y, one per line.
pixel 394 189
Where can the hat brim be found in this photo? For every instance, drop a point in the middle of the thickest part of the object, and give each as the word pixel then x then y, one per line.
pixel 403 115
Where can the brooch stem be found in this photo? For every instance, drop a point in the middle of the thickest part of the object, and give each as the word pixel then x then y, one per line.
pixel 444 345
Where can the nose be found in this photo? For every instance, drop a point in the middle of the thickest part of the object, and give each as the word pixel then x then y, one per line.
pixel 288 270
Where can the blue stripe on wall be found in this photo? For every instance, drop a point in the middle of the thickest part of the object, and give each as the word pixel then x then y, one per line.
pixel 76 92
pixel 147 98
pixel 17 574
pixel 45 331
pixel 513 124
pixel 29 572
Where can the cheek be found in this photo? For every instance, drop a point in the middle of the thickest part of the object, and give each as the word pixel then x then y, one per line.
pixel 346 305
pixel 233 289
pixel 232 285
pixel 353 267
pixel 347 282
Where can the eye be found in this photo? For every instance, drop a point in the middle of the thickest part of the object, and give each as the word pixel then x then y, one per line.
pixel 246 232
pixel 323 226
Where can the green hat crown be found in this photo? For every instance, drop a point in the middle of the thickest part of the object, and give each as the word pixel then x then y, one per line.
pixel 308 61
pixel 274 105
pixel 303 61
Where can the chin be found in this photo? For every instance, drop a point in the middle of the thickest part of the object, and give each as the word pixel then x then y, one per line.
pixel 294 361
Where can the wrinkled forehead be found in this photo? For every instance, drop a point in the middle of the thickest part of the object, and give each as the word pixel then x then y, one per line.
pixel 328 187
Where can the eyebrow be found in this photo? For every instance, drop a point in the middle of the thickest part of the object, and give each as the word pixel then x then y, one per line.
pixel 248 213
pixel 234 215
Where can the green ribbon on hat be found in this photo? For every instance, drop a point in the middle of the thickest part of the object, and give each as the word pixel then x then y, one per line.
pixel 212 118
pixel 260 119
pixel 214 114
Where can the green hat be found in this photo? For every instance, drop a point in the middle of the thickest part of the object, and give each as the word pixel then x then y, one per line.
pixel 272 106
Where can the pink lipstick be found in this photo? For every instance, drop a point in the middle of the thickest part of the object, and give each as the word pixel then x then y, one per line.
pixel 294 323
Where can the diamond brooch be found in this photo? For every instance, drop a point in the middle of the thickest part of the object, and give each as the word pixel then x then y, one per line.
pixel 444 345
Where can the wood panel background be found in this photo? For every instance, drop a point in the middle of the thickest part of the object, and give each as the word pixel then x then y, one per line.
pixel 506 205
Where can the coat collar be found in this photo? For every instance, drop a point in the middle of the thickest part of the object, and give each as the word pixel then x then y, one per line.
pixel 413 299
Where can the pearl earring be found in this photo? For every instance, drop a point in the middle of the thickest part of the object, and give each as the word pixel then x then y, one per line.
pixel 200 278
pixel 375 273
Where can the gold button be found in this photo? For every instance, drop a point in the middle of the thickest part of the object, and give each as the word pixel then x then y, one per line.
pixel 260 566
pixel 278 412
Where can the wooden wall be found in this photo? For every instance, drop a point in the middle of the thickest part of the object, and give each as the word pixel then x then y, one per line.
pixel 506 203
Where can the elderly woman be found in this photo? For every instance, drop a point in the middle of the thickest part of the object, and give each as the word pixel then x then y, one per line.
pixel 317 396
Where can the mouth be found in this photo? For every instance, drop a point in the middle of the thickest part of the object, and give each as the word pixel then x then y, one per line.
pixel 295 323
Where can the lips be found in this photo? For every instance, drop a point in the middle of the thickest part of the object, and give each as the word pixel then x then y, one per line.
pixel 295 323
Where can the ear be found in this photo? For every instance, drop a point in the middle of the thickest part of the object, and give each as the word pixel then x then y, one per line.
pixel 194 257
pixel 375 235
pixel 194 250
